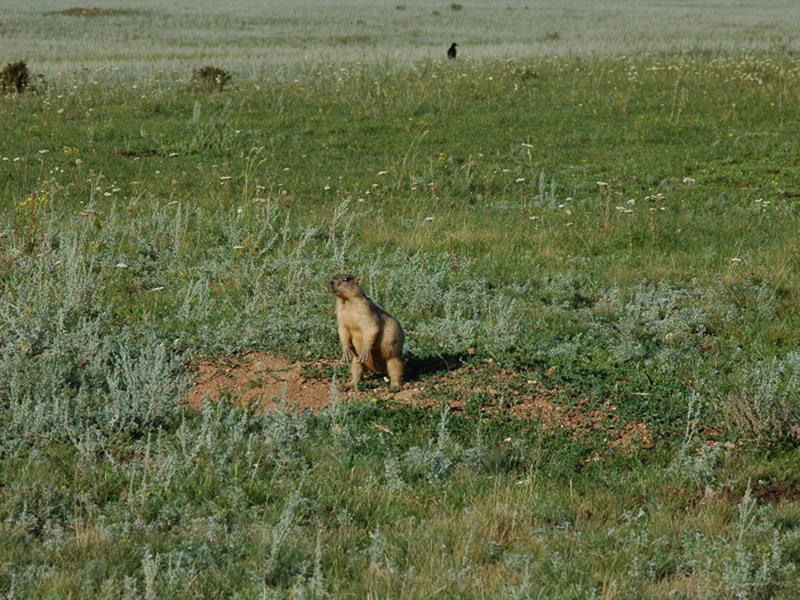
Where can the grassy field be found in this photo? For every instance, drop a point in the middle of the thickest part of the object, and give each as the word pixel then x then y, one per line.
pixel 283 37
pixel 592 209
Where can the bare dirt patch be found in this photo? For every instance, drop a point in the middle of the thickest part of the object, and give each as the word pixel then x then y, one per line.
pixel 477 387
pixel 257 377
pixel 777 492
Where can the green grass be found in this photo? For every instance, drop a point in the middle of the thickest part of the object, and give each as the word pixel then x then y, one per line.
pixel 620 229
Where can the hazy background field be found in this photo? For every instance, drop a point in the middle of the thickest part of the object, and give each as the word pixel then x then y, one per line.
pixel 260 39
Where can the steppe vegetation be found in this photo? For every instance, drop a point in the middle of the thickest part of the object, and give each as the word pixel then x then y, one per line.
pixel 607 225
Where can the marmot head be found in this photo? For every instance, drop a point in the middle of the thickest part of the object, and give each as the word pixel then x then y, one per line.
pixel 345 285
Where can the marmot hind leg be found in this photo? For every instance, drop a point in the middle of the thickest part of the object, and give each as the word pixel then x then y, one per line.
pixel 394 366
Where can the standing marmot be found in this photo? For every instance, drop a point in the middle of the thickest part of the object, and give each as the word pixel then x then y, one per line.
pixel 370 336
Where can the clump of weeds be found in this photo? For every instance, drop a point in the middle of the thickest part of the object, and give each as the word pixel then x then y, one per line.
pixel 210 79
pixel 14 77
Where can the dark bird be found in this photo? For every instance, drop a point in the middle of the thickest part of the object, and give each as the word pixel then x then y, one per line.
pixel 451 51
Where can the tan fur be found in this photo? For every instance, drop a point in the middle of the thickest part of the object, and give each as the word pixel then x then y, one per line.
pixel 370 336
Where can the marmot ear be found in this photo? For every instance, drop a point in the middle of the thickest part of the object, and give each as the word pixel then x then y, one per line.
pixel 358 280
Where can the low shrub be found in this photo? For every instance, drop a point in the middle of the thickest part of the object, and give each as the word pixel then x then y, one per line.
pixel 210 79
pixel 14 77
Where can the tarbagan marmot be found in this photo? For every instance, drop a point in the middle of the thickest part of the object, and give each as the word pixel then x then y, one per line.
pixel 370 336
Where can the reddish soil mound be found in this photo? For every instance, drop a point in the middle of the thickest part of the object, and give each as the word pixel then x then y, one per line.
pixel 257 377
pixel 264 378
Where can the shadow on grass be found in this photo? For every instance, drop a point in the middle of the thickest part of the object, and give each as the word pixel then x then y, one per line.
pixel 420 367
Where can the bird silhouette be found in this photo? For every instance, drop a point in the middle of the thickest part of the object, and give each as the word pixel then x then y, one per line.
pixel 451 51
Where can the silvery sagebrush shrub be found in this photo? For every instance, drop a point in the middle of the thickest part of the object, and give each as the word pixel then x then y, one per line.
pixel 288 432
pixel 436 461
pixel 64 368
pixel 52 395
pixel 766 405
pixel 758 567
pixel 393 474
pixel 282 531
pixel 446 309
pixel 377 553
pixel 657 324
pixel 569 290
pixel 660 310
pixel 24 578
pixel 695 459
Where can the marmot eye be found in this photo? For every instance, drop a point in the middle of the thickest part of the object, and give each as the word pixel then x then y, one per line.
pixel 345 279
